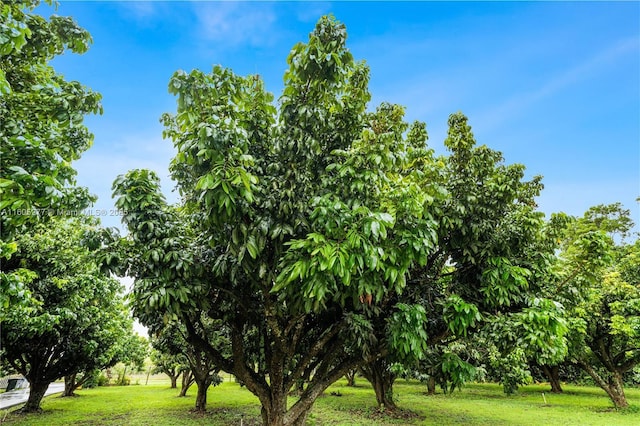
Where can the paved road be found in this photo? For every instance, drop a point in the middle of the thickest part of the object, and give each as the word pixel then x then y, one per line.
pixel 20 396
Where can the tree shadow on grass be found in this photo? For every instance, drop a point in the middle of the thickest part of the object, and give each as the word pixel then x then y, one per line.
pixel 117 419
pixel 384 415
pixel 228 416
pixel 17 416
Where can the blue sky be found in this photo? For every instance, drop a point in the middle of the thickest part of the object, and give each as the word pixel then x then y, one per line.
pixel 555 86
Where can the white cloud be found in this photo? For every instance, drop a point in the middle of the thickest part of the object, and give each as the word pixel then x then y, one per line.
pixel 236 23
pixel 140 11
pixel 99 166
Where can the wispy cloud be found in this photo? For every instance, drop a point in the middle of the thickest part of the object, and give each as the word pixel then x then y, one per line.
pixel 139 9
pixel 496 115
pixel 99 167
pixel 236 23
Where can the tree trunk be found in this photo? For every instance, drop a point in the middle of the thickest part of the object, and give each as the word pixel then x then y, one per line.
pixel 279 419
pixel 187 381
pixel 174 380
pixel 274 407
pixel 553 374
pixel 69 385
pixel 122 380
pixel 383 387
pixel 431 385
pixel 324 358
pixel 614 388
pixel 201 397
pixel 275 410
pixel 378 374
pixel 616 391
pixel 36 393
pixel 351 377
pixel 275 414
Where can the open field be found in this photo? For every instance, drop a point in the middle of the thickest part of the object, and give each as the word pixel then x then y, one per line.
pixel 229 404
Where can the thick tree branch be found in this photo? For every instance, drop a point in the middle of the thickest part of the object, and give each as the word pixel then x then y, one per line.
pixel 313 351
pixel 199 342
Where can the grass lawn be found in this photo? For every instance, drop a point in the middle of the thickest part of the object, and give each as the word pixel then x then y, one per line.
pixel 228 404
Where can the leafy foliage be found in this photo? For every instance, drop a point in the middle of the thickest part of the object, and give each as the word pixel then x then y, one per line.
pixel 460 315
pixel 76 320
pixel 596 278
pixel 41 130
pixel 408 338
pixel 511 370
pixel 491 251
pixel 321 235
pixel 295 223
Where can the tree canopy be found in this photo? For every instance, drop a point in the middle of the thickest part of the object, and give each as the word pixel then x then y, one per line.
pixel 76 319
pixel 41 130
pixel 598 281
pixel 314 230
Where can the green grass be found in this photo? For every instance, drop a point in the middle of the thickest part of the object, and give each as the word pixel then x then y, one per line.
pixel 477 404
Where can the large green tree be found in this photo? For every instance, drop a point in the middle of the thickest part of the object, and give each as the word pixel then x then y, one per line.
pixel 598 279
pixel 492 247
pixel 130 349
pixel 317 231
pixel 41 130
pixel 77 317
pixel 179 355
pixel 131 355
pixel 295 223
pixel 167 363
